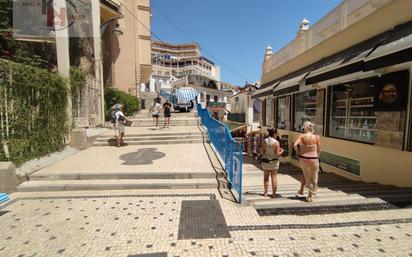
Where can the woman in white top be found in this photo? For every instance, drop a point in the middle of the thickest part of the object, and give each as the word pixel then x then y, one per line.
pixel 155 110
pixel 271 151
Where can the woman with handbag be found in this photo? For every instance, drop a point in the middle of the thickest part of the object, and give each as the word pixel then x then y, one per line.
pixel 308 148
pixel 271 151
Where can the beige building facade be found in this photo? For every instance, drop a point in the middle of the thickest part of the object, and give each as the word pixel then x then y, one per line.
pixel 127 59
pixel 349 74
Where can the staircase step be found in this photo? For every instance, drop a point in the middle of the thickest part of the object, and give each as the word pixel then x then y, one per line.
pixel 273 203
pixel 323 207
pixel 152 142
pixel 76 185
pixel 121 175
pixel 149 138
pixel 292 193
pixel 270 203
pixel 156 134
pixel 355 187
pixel 151 125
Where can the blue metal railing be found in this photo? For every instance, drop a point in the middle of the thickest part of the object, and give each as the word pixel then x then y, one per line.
pixel 228 149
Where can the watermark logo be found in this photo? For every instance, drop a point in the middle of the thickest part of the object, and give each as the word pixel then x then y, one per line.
pixel 49 18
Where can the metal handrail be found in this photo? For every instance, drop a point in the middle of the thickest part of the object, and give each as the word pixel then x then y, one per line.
pixel 228 149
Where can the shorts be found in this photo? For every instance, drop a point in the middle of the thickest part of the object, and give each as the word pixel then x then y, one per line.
pixel 155 115
pixel 119 128
pixel 271 166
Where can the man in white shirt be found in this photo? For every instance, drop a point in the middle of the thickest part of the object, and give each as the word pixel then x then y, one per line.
pixel 119 127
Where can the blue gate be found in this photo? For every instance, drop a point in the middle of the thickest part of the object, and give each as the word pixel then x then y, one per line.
pixel 228 149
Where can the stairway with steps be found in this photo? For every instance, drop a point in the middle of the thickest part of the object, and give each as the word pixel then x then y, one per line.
pixel 152 139
pixel 149 122
pixel 335 194
pixel 102 167
pixel 177 119
pixel 115 184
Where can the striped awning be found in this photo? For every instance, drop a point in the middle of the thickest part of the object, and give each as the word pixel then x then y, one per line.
pixel 3 197
pixel 185 95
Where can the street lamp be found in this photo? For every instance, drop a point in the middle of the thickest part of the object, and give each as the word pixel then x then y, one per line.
pixel 116 30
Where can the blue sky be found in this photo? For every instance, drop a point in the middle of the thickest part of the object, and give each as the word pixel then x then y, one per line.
pixel 236 32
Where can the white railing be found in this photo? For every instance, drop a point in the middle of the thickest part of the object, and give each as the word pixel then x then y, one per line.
pixel 343 16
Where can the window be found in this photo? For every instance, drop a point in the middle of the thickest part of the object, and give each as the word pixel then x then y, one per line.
pixel 304 109
pixel 263 112
pixel 256 110
pixel 283 112
pixel 215 98
pixel 352 114
pixel 269 111
pixel 236 99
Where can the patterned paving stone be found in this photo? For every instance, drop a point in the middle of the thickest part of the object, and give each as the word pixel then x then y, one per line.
pixel 200 219
pixel 150 255
pixel 321 235
pixel 313 210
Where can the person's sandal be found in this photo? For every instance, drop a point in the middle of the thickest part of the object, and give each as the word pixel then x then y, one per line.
pixel 263 194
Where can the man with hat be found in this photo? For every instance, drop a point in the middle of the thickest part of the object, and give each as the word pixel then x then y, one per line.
pixel 118 125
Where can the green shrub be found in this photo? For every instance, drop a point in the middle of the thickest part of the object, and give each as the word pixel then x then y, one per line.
pixel 131 104
pixel 36 101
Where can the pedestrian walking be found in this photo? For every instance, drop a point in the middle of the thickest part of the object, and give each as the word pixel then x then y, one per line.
pixel 155 110
pixel 167 111
pixel 271 151
pixel 119 123
pixel 308 148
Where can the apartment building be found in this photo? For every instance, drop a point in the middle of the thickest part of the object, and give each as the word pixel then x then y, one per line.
pixel 178 60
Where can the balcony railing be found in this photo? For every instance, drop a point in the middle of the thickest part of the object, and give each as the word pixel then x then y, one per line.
pixel 343 16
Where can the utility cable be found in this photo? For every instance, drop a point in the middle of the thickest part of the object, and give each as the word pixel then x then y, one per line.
pixel 203 48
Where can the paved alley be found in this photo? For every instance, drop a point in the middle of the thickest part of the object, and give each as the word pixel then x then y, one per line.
pixel 170 199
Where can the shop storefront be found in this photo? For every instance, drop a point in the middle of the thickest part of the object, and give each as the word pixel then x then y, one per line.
pixel 360 104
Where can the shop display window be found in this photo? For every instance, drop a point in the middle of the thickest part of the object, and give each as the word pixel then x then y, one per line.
pixel 282 116
pixel 264 113
pixel 304 109
pixel 352 113
pixel 269 111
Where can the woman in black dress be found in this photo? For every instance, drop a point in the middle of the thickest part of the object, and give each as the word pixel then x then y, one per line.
pixel 167 110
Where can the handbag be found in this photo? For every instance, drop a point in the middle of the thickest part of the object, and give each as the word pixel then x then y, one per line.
pixel 268 161
pixel 128 123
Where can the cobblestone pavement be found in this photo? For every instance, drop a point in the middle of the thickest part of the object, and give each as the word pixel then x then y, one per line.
pixel 116 160
pixel 138 222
